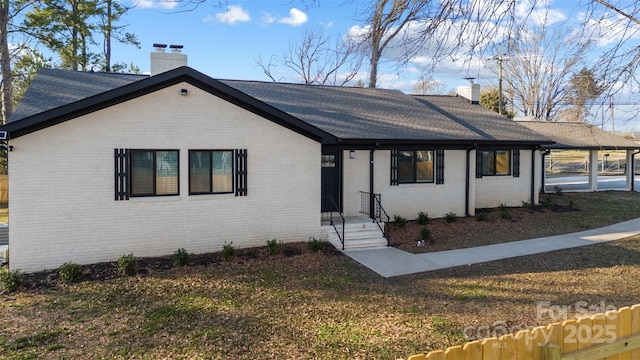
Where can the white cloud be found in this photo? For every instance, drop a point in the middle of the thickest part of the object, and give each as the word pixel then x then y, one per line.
pixel 234 14
pixel 268 18
pixel 153 4
pixel 296 18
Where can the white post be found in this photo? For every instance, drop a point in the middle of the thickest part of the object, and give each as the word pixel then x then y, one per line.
pixel 593 170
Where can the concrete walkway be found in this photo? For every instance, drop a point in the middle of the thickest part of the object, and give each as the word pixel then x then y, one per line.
pixel 390 261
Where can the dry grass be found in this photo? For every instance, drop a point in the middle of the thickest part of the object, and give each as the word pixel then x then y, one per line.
pixel 300 304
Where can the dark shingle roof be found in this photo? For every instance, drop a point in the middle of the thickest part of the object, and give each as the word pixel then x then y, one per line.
pixel 52 88
pixel 357 113
pixel 570 135
pixel 333 114
pixel 487 122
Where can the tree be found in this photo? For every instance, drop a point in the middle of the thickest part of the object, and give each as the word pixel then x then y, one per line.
pixel 490 98
pixel 5 62
pixel 428 86
pixel 582 88
pixel 539 68
pixel 65 26
pixel 110 13
pixel 25 66
pixel 318 59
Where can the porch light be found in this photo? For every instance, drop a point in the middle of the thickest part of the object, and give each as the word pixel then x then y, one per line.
pixel 352 154
pixel 184 92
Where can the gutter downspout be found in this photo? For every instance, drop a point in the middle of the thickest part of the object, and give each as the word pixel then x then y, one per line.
pixel 533 174
pixel 633 170
pixel 371 196
pixel 544 155
pixel 467 183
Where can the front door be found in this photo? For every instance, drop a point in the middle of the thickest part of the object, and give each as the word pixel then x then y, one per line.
pixel 330 182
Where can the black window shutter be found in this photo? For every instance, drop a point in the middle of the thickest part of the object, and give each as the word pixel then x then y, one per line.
pixel 121 159
pixel 516 163
pixel 478 163
pixel 439 166
pixel 394 168
pixel 241 172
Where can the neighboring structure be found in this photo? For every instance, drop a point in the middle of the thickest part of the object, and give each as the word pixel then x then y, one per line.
pixel 583 136
pixel 110 164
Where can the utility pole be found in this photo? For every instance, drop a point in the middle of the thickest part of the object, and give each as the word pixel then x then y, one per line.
pixel 500 58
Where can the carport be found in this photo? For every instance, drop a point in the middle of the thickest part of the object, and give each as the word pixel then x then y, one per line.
pixel 582 136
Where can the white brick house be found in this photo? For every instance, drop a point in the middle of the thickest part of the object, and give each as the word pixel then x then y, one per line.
pixel 108 164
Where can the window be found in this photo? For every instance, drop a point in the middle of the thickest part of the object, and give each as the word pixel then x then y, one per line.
pixel 496 162
pixel 415 166
pixel 210 171
pixel 153 172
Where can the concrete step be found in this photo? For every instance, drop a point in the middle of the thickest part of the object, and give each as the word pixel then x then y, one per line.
pixel 361 235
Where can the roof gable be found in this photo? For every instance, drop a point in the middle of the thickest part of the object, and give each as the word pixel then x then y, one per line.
pixel 41 114
pixel 575 135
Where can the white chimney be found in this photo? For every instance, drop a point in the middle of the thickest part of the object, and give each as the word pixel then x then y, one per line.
pixel 471 92
pixel 162 61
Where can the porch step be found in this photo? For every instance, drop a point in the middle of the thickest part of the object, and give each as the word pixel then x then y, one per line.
pixel 359 234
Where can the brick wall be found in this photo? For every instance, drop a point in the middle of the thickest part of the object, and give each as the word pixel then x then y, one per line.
pixel 62 184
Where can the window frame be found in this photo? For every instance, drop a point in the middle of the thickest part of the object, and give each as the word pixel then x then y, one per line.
pixel 493 172
pixel 211 167
pixel 154 171
pixel 415 167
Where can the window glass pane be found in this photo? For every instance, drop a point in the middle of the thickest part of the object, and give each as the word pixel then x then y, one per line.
pixel 141 172
pixel 166 172
pixel 405 167
pixel 222 172
pixel 488 162
pixel 199 171
pixel 328 161
pixel 503 162
pixel 424 166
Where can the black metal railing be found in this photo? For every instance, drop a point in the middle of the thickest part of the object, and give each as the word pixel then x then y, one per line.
pixel 335 209
pixel 372 206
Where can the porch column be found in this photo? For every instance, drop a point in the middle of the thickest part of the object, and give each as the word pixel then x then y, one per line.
pixel 629 169
pixel 593 170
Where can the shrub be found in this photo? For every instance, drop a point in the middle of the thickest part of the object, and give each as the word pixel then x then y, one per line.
pixel 423 218
pixel 128 264
pixel 504 212
pixel 557 190
pixel 315 245
pixel 11 280
pixel 274 246
pixel 181 257
pixel 70 271
pixel 425 233
pixel 228 251
pixel 482 216
pixel 399 220
pixel 450 217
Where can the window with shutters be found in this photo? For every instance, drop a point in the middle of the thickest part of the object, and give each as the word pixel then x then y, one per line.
pixel 210 171
pixel 153 172
pixel 417 166
pixel 494 163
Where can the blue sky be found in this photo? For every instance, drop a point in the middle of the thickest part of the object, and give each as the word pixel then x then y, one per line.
pixel 223 38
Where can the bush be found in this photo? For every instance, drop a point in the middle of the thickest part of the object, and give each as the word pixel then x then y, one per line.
pixel 315 245
pixel 181 257
pixel 557 190
pixel 11 280
pixel 504 212
pixel 399 220
pixel 423 218
pixel 128 264
pixel 70 272
pixel 274 246
pixel 482 216
pixel 450 217
pixel 425 233
pixel 228 251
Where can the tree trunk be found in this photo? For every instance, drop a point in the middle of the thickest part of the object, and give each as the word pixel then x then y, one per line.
pixel 107 38
pixel 5 64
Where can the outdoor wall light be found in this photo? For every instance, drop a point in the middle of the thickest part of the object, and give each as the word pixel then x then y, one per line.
pixel 352 154
pixel 184 92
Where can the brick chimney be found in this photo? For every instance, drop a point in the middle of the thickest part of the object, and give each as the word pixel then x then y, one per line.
pixel 471 92
pixel 162 61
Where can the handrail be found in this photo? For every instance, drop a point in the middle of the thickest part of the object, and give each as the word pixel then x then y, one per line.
pixel 378 210
pixel 332 223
